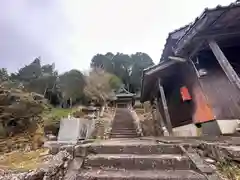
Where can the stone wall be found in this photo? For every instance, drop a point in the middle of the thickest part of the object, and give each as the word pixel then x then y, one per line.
pixel 54 169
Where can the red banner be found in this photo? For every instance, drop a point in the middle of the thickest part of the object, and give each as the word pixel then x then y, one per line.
pixel 185 94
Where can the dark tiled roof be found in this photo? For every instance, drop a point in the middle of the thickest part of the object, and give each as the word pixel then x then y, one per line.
pixel 179 29
pixel 191 25
pixel 124 95
pixel 168 40
pixel 122 92
pixel 205 12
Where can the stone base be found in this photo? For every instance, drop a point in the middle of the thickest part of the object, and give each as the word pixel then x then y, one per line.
pixel 186 130
pixel 218 127
pixel 228 126
pixel 213 128
pixel 56 146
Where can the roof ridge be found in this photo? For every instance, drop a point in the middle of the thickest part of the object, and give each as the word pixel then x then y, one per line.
pixel 206 10
pixel 179 29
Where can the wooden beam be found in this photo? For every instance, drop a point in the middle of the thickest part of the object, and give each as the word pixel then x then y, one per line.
pixel 160 67
pixel 165 107
pixel 157 118
pixel 160 117
pixel 194 67
pixel 178 59
pixel 224 63
pixel 217 34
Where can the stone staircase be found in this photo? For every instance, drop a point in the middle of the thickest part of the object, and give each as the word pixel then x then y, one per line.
pixel 123 125
pixel 129 159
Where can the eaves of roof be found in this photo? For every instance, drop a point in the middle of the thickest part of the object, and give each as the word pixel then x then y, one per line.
pixel 169 38
pixel 200 18
pixel 190 26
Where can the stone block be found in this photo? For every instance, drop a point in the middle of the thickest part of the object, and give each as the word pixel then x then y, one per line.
pixel 51 137
pixel 68 148
pixel 53 146
pixel 80 151
pixel 76 164
pixel 69 130
pixel 233 152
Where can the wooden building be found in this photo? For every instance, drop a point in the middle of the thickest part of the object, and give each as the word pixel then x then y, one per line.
pixel 196 83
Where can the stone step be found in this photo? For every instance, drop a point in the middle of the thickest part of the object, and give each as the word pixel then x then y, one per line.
pixel 133 148
pixel 120 126
pixel 126 129
pixel 121 118
pixel 126 113
pixel 123 114
pixel 112 174
pixel 139 162
pixel 123 132
pixel 117 119
pixel 124 118
pixel 123 122
pixel 123 127
pixel 123 136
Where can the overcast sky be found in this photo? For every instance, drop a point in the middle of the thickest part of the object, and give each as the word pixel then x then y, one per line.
pixel 71 32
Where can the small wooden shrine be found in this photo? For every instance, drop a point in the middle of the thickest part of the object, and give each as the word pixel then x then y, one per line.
pixel 124 98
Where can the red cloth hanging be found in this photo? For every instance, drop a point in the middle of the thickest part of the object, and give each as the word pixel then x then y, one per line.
pixel 185 94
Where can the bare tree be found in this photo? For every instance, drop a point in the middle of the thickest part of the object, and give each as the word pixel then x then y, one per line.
pixel 99 87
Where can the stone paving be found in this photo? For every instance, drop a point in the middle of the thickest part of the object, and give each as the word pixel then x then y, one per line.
pixel 123 125
pixel 117 159
pixel 156 158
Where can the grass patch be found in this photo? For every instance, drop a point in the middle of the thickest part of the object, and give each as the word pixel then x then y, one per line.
pixel 52 117
pixel 17 152
pixel 23 161
pixel 230 170
pixel 55 114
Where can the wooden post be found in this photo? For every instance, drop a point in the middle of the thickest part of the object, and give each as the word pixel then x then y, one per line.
pixel 226 66
pixel 165 107
pixel 159 117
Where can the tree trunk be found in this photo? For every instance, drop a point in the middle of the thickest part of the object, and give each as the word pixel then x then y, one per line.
pixel 102 110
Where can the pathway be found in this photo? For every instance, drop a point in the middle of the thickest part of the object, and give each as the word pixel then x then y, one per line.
pixel 125 156
pixel 123 125
pixel 135 159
